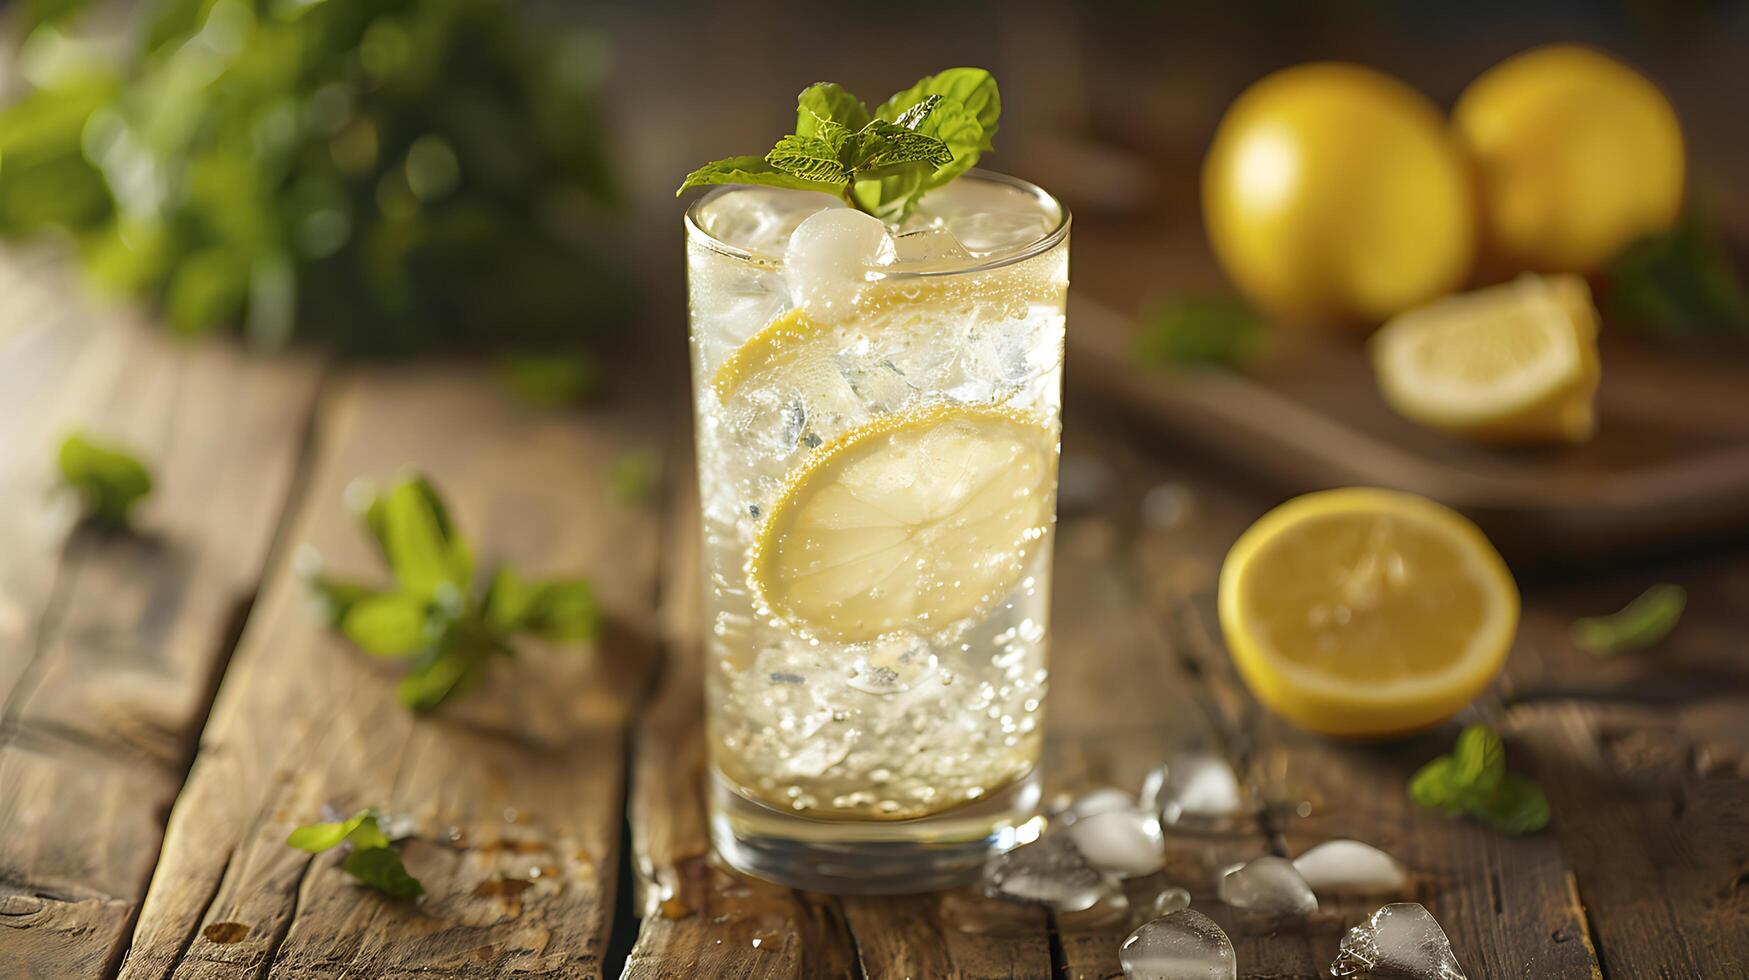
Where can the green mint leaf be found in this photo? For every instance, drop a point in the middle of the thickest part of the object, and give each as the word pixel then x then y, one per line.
pixel 809 158
pixel 632 477
pixel 389 625
pixel 318 837
pixel 454 665
pixel 828 102
pixel 336 597
pixel 1436 786
pixel 551 380
pixel 751 170
pixel 1517 806
pixel 424 550
pixel 508 601
pixel 1682 283
pixel 974 89
pixel 1200 330
pixel 564 611
pixel 883 145
pixel 381 868
pixel 1479 760
pixel 1641 623
pixel 109 480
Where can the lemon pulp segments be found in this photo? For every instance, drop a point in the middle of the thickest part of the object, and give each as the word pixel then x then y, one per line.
pixel 911 521
pixel 1366 612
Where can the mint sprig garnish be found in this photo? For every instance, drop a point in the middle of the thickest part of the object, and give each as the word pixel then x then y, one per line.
pixel 1473 781
pixel 372 858
pixel 880 162
pixel 1641 623
pixel 109 480
pixel 434 619
pixel 1682 284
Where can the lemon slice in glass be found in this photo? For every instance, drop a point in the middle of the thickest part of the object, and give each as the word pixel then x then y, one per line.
pixel 915 521
pixel 1366 612
pixel 1515 363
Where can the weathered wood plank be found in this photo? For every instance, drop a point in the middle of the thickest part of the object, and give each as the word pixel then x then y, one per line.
pixel 1645 757
pixel 699 919
pixel 1506 903
pixel 1123 701
pixel 110 644
pixel 514 789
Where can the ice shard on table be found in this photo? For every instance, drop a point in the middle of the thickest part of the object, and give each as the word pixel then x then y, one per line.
pixel 1351 867
pixel 1400 940
pixel 1268 884
pixel 1185 945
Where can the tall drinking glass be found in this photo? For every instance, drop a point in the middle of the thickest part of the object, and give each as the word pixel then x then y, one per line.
pixel 877 423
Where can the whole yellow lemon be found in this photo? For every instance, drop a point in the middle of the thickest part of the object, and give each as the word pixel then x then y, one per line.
pixel 1335 193
pixel 1577 154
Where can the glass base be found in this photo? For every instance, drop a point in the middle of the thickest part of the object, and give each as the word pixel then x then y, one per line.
pixel 872 857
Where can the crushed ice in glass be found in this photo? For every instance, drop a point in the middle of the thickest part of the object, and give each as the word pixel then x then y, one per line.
pixel 1400 940
pixel 1268 884
pixel 1125 842
pixel 928 248
pixel 1195 786
pixel 1185 945
pixel 829 256
pixel 1049 871
pixel 1351 867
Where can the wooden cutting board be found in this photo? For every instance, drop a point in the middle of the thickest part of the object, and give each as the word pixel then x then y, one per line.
pixel 1670 459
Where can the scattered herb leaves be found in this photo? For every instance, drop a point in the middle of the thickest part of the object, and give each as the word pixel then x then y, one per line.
pixel 373 859
pixel 1473 781
pixel 433 618
pixel 880 162
pixel 108 479
pixel 551 380
pixel 1190 329
pixel 632 477
pixel 1682 284
pixel 1647 619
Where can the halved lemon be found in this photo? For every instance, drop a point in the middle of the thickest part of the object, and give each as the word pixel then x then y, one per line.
pixel 915 521
pixel 1366 612
pixel 1514 363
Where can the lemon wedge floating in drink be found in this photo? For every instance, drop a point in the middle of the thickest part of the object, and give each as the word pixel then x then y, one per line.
pixel 918 520
pixel 1366 612
pixel 1515 363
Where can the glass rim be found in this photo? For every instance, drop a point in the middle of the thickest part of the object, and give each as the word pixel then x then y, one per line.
pixel 695 230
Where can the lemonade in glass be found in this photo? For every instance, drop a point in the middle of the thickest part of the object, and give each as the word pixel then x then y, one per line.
pixel 877 407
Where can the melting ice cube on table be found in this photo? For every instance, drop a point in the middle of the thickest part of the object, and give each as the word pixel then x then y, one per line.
pixel 1102 800
pixel 1126 842
pixel 1195 787
pixel 1169 900
pixel 1268 884
pixel 1399 940
pixel 1185 945
pixel 1350 867
pixel 1049 871
pixel 830 255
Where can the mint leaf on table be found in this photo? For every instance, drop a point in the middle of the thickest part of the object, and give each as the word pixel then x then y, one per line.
pixel 1682 284
pixel 881 163
pixel 447 632
pixel 1647 619
pixel 108 479
pixel 373 859
pixel 1190 329
pixel 632 477
pixel 551 380
pixel 1473 781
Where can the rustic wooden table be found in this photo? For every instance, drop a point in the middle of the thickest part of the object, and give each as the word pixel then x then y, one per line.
pixel 172 711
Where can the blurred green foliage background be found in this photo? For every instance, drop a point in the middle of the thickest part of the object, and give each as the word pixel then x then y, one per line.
pixel 384 176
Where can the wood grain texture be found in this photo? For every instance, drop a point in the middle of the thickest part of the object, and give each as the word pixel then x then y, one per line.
pixel 515 789
pixel 110 644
